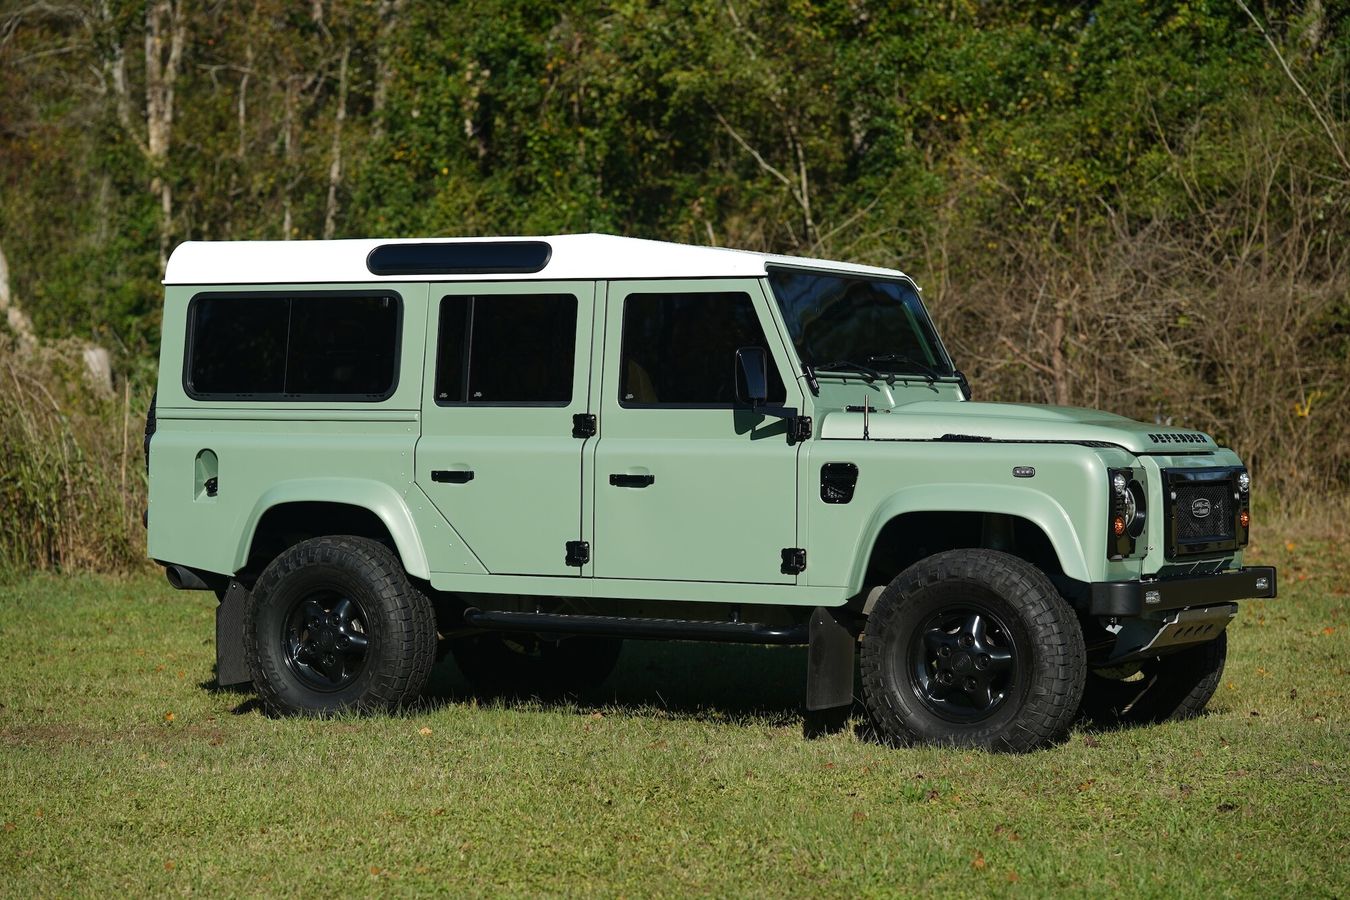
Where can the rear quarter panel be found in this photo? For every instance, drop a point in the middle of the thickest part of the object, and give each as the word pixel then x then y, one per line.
pixel 271 452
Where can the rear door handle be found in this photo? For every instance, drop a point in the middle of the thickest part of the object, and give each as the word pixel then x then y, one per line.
pixel 452 476
pixel 637 481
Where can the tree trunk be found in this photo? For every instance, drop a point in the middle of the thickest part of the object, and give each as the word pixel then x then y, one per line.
pixel 1057 361
pixel 288 157
pixel 384 67
pixel 243 101
pixel 335 163
pixel 165 36
pixel 9 308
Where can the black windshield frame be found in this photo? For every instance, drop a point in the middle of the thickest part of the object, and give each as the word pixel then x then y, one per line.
pixel 854 307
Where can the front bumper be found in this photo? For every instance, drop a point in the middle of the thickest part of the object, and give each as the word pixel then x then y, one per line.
pixel 1134 598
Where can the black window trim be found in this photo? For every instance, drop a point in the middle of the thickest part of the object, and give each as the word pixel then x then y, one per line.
pixel 865 276
pixel 466 403
pixel 189 344
pixel 623 334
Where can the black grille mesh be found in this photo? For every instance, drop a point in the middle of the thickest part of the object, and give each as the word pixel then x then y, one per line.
pixel 1218 525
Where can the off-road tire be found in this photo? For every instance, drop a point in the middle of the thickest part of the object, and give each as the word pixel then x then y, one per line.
pixel 1043 687
pixel 1173 687
pixel 519 665
pixel 397 618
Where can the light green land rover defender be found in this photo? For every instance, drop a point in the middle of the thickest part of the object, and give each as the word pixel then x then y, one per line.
pixel 522 451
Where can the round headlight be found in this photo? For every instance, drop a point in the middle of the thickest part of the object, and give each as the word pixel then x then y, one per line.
pixel 1244 482
pixel 1134 508
pixel 1118 482
pixel 1131 506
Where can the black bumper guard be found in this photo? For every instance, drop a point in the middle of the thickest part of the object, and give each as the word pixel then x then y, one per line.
pixel 1134 598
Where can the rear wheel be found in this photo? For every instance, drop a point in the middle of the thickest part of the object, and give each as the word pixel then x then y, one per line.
pixel 972 648
pixel 1166 688
pixel 524 665
pixel 334 624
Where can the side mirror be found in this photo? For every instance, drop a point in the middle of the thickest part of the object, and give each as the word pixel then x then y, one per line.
pixel 752 376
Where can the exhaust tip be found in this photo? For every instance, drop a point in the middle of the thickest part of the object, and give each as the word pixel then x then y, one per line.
pixel 184 579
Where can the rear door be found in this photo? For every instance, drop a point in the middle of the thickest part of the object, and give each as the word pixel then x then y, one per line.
pixel 686 485
pixel 508 367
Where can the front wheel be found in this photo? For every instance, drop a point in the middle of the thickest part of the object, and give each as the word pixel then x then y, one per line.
pixel 334 624
pixel 973 648
pixel 1166 688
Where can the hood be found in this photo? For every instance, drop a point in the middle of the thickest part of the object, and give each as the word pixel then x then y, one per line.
pixel 933 420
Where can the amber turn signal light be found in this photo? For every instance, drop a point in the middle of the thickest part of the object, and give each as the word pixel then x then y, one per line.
pixel 1245 518
pixel 1118 525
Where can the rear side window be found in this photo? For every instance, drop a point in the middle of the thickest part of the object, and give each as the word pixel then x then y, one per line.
pixel 680 349
pixel 293 346
pixel 506 349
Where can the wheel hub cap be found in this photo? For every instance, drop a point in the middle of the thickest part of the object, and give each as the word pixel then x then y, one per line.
pixel 963 664
pixel 326 641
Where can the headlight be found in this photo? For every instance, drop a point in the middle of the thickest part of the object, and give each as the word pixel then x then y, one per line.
pixel 1128 507
pixel 1244 482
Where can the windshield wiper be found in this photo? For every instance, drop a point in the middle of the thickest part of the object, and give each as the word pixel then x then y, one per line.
pixel 844 365
pixel 926 370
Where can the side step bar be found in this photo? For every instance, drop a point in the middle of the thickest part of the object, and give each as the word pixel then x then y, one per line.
pixel 641 629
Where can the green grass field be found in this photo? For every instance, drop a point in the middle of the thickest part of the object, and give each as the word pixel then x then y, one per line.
pixel 121 769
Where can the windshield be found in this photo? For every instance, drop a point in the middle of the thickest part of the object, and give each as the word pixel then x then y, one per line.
pixel 866 322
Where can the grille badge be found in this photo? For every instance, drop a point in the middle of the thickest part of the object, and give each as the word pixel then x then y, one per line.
pixel 1200 508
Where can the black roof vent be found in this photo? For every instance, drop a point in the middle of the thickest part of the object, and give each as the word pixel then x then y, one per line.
pixel 468 258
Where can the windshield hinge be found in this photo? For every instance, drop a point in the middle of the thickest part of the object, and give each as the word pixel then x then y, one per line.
pixel 794 560
pixel 578 553
pixel 799 429
pixel 811 381
pixel 583 425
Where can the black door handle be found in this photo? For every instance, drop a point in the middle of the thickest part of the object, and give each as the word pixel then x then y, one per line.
pixel 452 476
pixel 632 480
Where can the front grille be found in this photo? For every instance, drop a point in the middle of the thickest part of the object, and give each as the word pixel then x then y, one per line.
pixel 1215 501
pixel 1202 511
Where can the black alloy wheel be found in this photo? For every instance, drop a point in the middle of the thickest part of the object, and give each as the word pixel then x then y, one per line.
pixel 1165 689
pixel 965 663
pixel 972 648
pixel 335 624
pixel 326 640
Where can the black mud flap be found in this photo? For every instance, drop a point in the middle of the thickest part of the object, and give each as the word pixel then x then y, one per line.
pixel 231 667
pixel 829 670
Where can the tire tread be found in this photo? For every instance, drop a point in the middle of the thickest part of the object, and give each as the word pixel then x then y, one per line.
pixel 408 621
pixel 1049 709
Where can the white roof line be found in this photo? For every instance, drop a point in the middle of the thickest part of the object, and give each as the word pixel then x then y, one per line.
pixel 574 257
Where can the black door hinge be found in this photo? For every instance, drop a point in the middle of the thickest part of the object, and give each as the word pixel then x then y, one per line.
pixel 794 560
pixel 583 425
pixel 578 553
pixel 799 429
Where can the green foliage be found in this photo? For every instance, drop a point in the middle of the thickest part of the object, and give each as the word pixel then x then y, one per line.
pixel 72 482
pixel 998 152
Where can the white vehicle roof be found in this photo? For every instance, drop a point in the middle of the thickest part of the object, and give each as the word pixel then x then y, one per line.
pixel 573 257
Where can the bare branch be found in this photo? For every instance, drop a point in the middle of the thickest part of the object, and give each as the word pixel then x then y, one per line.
pixel 1326 126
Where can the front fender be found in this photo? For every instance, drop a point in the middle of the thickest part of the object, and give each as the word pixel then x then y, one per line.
pixel 377 497
pixel 1037 507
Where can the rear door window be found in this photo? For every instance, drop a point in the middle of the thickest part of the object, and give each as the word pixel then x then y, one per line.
pixel 506 349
